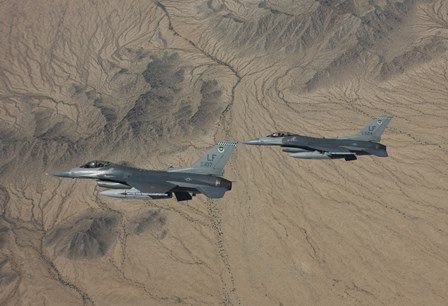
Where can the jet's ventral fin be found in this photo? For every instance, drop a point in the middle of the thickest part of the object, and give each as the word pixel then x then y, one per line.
pixel 183 196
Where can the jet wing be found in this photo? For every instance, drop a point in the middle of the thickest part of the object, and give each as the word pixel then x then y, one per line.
pixel 151 187
pixel 332 149
pixel 352 148
pixel 378 152
pixel 212 192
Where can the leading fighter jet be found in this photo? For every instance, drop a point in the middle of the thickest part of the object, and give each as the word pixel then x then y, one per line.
pixel 204 176
pixel 347 147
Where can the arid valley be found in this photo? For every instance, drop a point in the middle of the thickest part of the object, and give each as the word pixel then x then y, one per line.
pixel 155 83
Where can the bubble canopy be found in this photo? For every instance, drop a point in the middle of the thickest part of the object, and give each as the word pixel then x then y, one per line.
pixel 96 164
pixel 279 134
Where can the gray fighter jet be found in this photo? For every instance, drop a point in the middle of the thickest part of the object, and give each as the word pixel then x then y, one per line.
pixel 204 176
pixel 347 147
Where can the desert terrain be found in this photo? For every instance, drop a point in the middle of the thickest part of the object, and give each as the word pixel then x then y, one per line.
pixel 155 83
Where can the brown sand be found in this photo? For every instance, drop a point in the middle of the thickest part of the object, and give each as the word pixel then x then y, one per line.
pixel 156 83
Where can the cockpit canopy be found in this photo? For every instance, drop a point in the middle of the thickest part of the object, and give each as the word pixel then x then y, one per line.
pixel 280 134
pixel 96 164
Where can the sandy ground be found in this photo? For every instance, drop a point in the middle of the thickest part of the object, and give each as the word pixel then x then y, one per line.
pixel 155 83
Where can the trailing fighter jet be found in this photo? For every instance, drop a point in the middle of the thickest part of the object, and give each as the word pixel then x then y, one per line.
pixel 347 147
pixel 204 176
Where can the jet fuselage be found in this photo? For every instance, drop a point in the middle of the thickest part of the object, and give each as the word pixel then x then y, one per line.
pixel 308 147
pixel 356 146
pixel 204 176
pixel 116 176
pixel 365 142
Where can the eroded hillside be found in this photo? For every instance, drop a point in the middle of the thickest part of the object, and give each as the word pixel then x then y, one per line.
pixel 154 83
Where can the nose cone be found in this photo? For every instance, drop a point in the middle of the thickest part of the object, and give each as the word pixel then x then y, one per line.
pixel 62 173
pixel 255 141
pixel 79 173
pixel 269 141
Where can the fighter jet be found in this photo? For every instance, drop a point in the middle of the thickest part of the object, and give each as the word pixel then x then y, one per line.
pixel 347 147
pixel 204 176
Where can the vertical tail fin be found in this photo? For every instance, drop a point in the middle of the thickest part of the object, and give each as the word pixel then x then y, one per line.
pixel 373 131
pixel 213 162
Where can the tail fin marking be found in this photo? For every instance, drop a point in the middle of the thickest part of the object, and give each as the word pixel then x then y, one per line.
pixel 213 162
pixel 373 131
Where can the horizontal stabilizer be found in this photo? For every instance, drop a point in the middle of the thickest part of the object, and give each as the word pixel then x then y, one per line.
pixel 377 152
pixel 213 192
